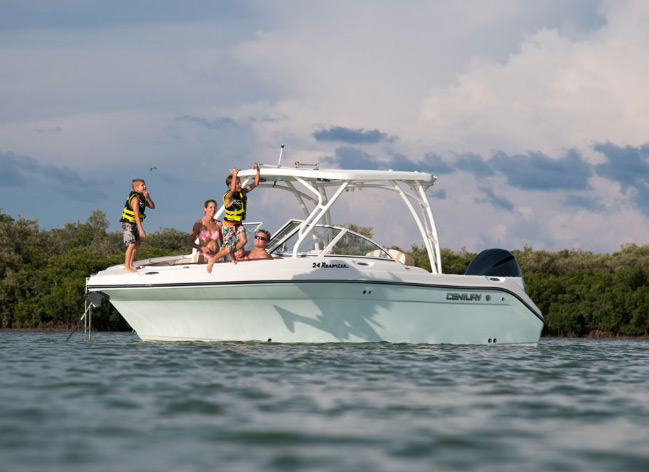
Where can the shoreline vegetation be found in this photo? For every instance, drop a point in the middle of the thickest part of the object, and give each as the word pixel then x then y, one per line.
pixel 43 273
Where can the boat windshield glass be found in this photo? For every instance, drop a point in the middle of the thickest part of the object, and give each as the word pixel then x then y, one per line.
pixel 345 242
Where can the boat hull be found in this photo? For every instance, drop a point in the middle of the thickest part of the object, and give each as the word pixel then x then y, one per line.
pixel 316 311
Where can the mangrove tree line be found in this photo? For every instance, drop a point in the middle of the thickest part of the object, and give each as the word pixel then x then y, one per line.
pixel 43 272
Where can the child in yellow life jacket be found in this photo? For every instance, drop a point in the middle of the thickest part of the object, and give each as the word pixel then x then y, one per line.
pixel 235 202
pixel 132 216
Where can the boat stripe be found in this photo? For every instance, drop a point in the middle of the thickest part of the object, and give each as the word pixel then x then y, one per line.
pixel 99 288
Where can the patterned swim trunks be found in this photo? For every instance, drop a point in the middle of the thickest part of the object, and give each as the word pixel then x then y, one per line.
pixel 131 233
pixel 231 235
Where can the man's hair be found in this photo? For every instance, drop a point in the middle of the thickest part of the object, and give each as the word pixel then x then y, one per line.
pixel 207 202
pixel 228 180
pixel 135 181
pixel 266 233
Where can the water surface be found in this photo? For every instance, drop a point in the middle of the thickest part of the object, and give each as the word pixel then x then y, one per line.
pixel 118 404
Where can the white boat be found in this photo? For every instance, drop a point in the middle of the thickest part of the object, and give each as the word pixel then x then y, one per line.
pixel 326 283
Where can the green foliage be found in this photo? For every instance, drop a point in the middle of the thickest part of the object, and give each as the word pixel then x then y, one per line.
pixel 456 263
pixel 452 262
pixel 169 239
pixel 420 256
pixel 20 247
pixel 366 231
pixel 43 273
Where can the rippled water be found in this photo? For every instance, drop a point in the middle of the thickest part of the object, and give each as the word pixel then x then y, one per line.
pixel 118 404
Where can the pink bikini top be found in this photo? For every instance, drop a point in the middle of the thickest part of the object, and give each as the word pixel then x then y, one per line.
pixel 205 235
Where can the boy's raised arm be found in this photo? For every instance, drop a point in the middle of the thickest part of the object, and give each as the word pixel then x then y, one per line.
pixel 256 182
pixel 227 201
pixel 149 201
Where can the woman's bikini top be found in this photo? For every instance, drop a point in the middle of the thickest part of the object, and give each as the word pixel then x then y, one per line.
pixel 205 234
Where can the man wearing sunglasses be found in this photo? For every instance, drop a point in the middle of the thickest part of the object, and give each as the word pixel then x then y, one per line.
pixel 261 241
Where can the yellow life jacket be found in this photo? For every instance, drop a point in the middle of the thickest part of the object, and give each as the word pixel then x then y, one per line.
pixel 127 213
pixel 236 212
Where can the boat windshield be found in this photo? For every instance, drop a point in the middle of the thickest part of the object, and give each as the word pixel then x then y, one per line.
pixel 330 240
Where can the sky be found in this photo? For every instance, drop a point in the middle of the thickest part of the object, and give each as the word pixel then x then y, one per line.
pixel 534 116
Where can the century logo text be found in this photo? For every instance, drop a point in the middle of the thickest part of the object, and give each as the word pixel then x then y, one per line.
pixel 471 297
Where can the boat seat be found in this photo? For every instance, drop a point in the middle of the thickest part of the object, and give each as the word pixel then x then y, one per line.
pixel 184 260
pixel 405 259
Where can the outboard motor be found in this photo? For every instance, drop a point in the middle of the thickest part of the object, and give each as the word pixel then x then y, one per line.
pixel 496 262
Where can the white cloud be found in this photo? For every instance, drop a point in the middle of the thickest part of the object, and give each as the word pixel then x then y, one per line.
pixel 442 77
pixel 369 64
pixel 554 93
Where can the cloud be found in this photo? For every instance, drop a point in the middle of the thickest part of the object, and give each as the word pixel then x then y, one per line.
pixel 240 79
pixel 536 171
pixel 532 171
pixel 23 171
pixel 493 199
pixel 351 136
pixel 35 13
pixel 56 129
pixel 435 164
pixel 557 91
pixel 440 194
pixel 628 166
pixel 402 163
pixel 352 158
pixel 474 164
pixel 12 174
pixel 216 123
pixel 593 204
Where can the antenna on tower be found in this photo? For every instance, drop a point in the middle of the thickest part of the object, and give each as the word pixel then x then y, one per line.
pixel 279 163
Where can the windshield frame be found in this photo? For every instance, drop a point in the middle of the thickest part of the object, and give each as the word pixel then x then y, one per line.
pixel 291 227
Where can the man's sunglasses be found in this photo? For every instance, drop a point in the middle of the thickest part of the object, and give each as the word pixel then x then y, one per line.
pixel 262 238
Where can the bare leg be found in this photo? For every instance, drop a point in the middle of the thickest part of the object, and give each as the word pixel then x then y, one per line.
pixel 222 253
pixel 127 258
pixel 241 240
pixel 131 251
pixel 137 246
pixel 210 264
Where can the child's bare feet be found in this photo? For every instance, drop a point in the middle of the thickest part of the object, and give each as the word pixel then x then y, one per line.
pixel 222 253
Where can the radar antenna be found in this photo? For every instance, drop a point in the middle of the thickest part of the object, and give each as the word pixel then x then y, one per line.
pixel 279 163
